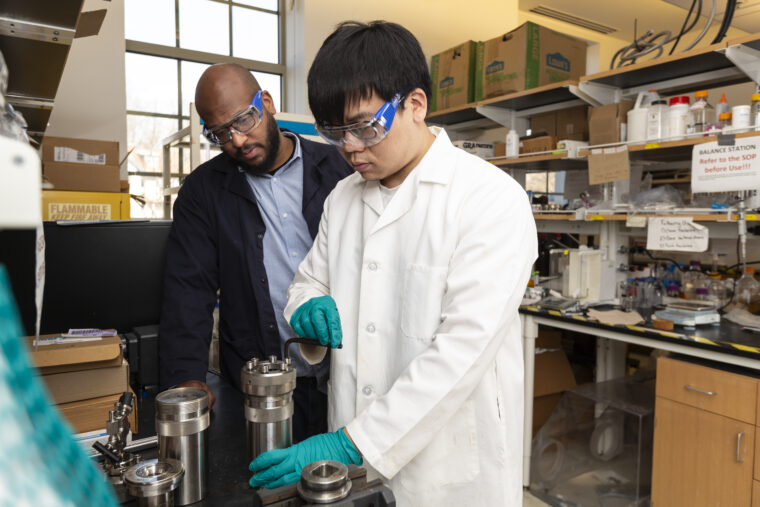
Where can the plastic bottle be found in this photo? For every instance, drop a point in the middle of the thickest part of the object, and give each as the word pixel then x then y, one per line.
pixel 755 113
pixel 722 106
pixel 724 120
pixel 678 117
pixel 701 113
pixel 639 115
pixel 692 280
pixel 656 120
pixel 748 290
pixel 716 290
pixel 701 294
pixel 741 118
pixel 512 148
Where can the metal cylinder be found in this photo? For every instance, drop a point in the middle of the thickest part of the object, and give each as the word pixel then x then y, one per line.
pixel 154 481
pixel 182 420
pixel 268 387
pixel 324 481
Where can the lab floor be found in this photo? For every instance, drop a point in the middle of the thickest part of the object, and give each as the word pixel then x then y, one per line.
pixel 531 501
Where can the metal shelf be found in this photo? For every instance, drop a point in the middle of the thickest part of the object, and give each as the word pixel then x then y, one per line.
pixel 552 161
pixel 35 38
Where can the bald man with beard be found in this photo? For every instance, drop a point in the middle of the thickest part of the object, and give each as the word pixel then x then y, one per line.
pixel 243 222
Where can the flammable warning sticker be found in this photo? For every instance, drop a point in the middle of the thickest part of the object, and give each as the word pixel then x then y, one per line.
pixel 78 211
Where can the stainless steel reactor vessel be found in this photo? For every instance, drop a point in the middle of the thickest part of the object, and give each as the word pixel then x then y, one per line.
pixel 182 420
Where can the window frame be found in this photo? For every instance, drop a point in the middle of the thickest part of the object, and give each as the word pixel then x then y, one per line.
pixel 179 55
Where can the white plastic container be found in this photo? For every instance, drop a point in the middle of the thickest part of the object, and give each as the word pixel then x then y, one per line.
pixel 740 118
pixel 678 117
pixel 657 125
pixel 512 148
pixel 638 116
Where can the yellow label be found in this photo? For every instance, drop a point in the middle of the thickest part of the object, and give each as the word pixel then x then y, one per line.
pixel 636 328
pixel 650 146
pixel 745 348
pixel 751 216
pixel 78 211
pixel 531 308
pixel 579 317
pixel 700 339
pixel 668 335
pixel 555 313
pixel 596 217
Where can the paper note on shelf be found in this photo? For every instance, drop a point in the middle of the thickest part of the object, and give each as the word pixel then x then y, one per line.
pixel 606 165
pixel 716 168
pixel 676 234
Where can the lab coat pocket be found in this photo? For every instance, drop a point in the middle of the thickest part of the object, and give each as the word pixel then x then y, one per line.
pixel 450 458
pixel 424 288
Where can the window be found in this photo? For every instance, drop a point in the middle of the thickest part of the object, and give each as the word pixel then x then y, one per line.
pixel 550 184
pixel 169 45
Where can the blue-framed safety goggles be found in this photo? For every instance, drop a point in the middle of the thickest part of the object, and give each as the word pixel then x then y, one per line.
pixel 366 132
pixel 242 123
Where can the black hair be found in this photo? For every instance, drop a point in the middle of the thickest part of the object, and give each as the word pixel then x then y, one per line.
pixel 358 59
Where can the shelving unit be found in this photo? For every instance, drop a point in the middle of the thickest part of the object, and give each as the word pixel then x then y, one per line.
pixel 35 37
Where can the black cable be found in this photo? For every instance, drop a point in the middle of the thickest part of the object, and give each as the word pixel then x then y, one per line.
pixel 683 30
pixel 675 262
pixel 728 16
pixel 733 285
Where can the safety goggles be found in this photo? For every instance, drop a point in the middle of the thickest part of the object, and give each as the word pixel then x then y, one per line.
pixel 366 132
pixel 242 123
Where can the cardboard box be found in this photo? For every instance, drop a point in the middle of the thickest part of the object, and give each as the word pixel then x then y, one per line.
pixel 571 123
pixel 82 177
pixel 63 357
pixel 537 144
pixel 86 384
pixel 92 414
pixel 552 376
pixel 525 58
pixel 605 123
pixel 453 75
pixel 549 338
pixel 499 149
pixel 482 150
pixel 80 151
pixel 64 205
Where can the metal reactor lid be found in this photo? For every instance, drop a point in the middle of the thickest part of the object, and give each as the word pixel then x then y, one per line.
pixel 324 481
pixel 153 477
pixel 268 377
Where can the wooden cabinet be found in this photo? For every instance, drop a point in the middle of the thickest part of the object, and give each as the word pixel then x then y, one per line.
pixel 704 439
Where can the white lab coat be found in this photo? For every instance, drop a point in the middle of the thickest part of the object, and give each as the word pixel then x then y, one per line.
pixel 429 382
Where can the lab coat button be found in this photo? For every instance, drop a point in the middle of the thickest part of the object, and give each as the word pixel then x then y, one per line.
pixel 367 390
pixel 370 328
pixel 372 266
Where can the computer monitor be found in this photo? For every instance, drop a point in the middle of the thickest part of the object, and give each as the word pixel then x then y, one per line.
pixel 98 274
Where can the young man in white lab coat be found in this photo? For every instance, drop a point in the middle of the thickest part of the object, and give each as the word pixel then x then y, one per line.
pixel 418 269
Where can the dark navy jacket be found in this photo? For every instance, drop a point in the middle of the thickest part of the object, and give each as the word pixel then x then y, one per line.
pixel 216 243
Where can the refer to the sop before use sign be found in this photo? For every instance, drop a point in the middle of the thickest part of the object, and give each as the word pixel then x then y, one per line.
pixel 676 234
pixel 717 168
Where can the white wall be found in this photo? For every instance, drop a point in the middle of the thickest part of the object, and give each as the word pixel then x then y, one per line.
pixel 437 24
pixel 91 98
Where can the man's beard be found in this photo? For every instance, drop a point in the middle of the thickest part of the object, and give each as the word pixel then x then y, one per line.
pixel 272 148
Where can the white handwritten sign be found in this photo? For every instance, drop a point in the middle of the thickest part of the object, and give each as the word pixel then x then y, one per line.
pixel 717 168
pixel 677 234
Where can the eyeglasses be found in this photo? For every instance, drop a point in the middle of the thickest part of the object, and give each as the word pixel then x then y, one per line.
pixel 241 123
pixel 366 132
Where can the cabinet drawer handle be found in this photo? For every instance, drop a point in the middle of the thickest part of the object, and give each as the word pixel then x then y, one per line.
pixel 739 447
pixel 697 390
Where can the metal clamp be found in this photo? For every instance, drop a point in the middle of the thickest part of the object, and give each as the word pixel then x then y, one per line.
pixel 697 390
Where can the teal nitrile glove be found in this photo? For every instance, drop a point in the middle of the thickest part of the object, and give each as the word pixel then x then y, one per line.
pixel 318 319
pixel 280 467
